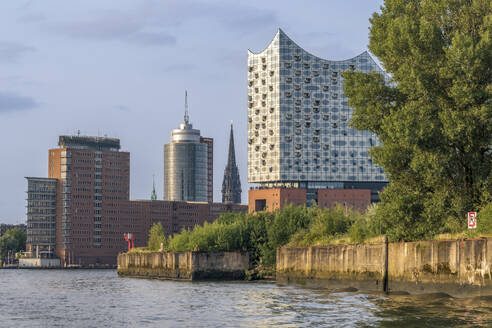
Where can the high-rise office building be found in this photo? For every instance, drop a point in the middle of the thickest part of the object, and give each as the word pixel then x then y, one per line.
pixel 188 162
pixel 231 185
pixel 41 216
pixel 298 133
pixel 92 172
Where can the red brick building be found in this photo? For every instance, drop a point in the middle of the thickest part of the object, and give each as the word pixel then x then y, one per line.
pixel 93 209
pixel 357 199
pixel 272 199
pixel 275 198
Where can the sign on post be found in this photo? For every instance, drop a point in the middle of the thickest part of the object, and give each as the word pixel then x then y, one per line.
pixel 472 220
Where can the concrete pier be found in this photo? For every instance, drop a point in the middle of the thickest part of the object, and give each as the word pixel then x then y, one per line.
pixel 456 267
pixel 184 265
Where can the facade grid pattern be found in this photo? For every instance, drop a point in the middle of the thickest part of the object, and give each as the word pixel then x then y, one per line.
pixel 41 214
pixel 298 119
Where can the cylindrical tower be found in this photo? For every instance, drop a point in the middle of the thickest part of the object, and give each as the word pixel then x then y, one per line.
pixel 186 164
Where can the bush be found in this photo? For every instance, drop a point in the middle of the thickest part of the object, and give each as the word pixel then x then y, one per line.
pixel 156 237
pixel 262 233
pixel 13 240
pixel 366 226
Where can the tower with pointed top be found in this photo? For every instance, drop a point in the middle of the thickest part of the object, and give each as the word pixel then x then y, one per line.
pixel 153 195
pixel 187 165
pixel 231 185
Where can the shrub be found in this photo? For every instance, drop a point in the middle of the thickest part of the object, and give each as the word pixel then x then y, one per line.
pixel 262 233
pixel 156 237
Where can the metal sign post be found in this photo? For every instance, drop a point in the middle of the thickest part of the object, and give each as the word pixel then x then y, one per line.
pixel 129 239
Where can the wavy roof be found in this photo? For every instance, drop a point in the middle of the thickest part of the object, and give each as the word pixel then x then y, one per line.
pixel 280 33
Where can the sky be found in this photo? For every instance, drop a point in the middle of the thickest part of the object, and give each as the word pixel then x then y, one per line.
pixel 120 68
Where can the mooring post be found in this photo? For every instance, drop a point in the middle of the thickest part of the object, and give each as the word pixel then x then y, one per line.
pixel 385 265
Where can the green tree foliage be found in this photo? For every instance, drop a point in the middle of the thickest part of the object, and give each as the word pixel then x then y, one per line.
pixel 324 225
pixel 13 240
pixel 232 231
pixel 484 220
pixel 434 118
pixel 156 237
pixel 366 226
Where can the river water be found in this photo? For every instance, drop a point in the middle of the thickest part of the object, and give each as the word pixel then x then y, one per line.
pixel 99 298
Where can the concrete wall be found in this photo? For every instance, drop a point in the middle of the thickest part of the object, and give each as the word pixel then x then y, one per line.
pixel 453 266
pixel 362 265
pixel 184 265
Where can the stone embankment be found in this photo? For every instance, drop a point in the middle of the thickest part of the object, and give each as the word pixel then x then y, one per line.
pixel 184 265
pixel 456 267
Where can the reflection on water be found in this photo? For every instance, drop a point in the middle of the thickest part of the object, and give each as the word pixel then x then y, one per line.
pixel 98 298
pixel 434 310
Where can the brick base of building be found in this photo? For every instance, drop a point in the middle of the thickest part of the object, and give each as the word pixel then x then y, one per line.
pixel 277 198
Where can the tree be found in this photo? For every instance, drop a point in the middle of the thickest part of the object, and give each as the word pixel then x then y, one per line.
pixel 156 237
pixel 13 240
pixel 434 118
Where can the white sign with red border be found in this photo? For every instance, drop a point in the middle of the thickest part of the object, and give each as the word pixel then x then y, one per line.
pixel 472 220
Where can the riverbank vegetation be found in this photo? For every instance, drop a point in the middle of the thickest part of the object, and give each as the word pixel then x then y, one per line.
pixel 262 233
pixel 433 116
pixel 13 241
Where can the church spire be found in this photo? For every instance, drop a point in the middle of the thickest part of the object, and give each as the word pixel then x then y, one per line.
pixel 231 159
pixel 231 185
pixel 153 196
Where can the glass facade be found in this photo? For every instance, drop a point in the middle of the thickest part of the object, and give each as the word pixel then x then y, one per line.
pixel 41 214
pixel 298 119
pixel 186 162
pixel 185 172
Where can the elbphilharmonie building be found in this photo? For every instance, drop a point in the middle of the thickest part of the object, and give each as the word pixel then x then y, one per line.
pixel 298 133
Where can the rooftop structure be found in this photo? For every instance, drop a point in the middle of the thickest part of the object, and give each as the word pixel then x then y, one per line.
pixel 231 185
pixel 85 142
pixel 153 195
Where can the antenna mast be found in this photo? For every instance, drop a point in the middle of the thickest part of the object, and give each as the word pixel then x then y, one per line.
pixel 186 117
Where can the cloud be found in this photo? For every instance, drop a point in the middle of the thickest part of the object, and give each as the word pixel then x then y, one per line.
pixel 227 13
pixel 115 26
pixel 11 51
pixel 149 23
pixel 109 27
pixel 181 67
pixel 11 102
pixel 232 58
pixel 152 38
pixel 247 18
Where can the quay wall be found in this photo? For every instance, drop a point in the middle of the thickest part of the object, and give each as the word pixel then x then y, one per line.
pixel 456 267
pixel 184 265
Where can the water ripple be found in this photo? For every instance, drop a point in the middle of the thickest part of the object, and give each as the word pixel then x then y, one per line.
pixel 99 298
